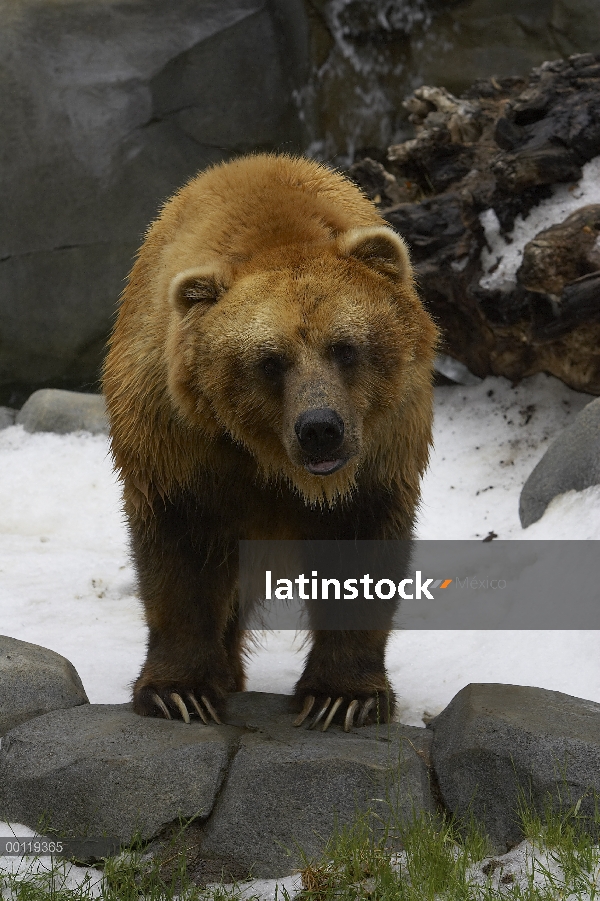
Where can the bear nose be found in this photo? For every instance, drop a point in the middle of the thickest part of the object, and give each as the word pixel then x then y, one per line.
pixel 320 432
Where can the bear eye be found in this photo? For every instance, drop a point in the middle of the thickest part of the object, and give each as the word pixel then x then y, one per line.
pixel 273 366
pixel 345 354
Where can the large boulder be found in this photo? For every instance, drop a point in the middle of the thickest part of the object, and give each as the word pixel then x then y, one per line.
pixel 495 746
pixel 288 788
pixel 33 682
pixel 53 410
pixel 102 770
pixel 259 789
pixel 106 108
pixel 571 463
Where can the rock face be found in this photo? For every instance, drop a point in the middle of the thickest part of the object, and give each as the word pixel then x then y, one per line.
pixel 571 463
pixel 257 786
pixel 265 795
pixel 288 787
pixel 106 109
pixel 34 681
pixel 53 410
pixel 103 770
pixel 493 741
pixel 477 162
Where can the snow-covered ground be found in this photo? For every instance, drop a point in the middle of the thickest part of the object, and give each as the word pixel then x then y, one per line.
pixel 66 581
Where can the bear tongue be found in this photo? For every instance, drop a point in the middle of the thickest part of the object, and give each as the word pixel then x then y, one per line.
pixel 323 467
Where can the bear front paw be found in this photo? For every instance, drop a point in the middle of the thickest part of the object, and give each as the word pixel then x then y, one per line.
pixel 377 707
pixel 174 702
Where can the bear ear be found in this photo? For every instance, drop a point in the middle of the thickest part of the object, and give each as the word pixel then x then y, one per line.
pixel 196 286
pixel 378 247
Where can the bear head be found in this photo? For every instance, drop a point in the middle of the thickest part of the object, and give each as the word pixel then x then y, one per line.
pixel 306 355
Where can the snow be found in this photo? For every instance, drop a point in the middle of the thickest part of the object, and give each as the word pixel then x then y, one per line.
pixel 505 254
pixel 528 867
pixel 66 581
pixel 488 438
pixel 527 871
pixel 525 867
pixel 65 578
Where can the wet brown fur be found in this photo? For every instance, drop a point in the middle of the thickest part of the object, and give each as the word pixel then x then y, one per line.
pixel 266 257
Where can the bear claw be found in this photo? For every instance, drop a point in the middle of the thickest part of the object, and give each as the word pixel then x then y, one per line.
pixel 197 707
pixel 181 706
pixel 331 714
pixel 210 709
pixel 350 714
pixel 309 701
pixel 161 705
pixel 362 716
pixel 320 714
pixel 353 706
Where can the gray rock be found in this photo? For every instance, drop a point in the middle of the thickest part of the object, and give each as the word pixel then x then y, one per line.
pixel 288 787
pixel 106 109
pixel 34 681
pixel 572 462
pixel 494 741
pixel 7 417
pixel 454 371
pixel 102 770
pixel 259 788
pixel 53 410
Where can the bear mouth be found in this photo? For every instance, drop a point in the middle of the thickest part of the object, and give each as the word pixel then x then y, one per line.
pixel 324 467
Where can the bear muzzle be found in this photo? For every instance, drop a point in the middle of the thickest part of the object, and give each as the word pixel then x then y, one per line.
pixel 320 434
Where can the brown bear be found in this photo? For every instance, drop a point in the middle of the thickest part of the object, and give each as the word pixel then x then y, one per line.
pixel 268 377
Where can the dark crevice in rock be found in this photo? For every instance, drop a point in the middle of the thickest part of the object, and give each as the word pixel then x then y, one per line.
pixel 186 837
pixel 56 249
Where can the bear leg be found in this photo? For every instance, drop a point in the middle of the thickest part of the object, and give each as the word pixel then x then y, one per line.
pixel 344 679
pixel 188 585
pixel 234 648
